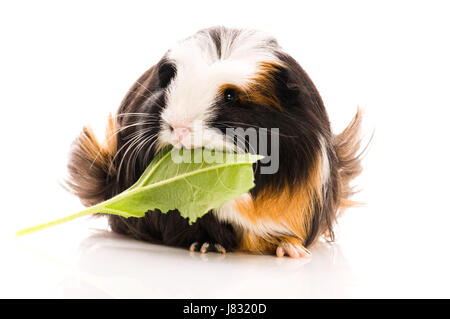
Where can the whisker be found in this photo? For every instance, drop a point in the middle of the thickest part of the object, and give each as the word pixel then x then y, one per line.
pixel 135 153
pixel 136 135
pixel 145 88
pixel 109 138
pixel 148 121
pixel 147 152
pixel 250 147
pixel 152 94
pixel 134 114
pixel 130 146
pixel 134 124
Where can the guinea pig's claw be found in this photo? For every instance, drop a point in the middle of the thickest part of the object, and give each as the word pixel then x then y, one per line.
pixel 193 246
pixel 294 251
pixel 205 247
pixel 220 249
pixel 280 251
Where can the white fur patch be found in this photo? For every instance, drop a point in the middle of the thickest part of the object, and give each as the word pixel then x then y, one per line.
pixel 325 173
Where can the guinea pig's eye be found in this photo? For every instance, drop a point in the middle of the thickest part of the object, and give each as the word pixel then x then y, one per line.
pixel 230 95
pixel 166 73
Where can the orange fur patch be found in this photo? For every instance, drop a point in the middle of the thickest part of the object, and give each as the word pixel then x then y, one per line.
pixel 261 89
pixel 100 154
pixel 109 146
pixel 256 244
pixel 290 209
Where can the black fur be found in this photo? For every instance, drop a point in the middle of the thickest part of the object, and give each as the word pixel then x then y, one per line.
pixel 171 229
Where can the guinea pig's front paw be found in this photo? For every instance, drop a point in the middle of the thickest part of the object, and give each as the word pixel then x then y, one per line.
pixel 294 250
pixel 206 247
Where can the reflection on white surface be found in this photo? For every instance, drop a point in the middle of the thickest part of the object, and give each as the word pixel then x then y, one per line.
pixel 113 266
pixel 107 265
pixel 82 259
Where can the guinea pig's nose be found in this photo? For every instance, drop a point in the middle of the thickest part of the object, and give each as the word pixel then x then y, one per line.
pixel 180 132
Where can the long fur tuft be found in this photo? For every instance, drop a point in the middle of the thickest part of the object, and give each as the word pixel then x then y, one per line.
pixel 348 144
pixel 90 166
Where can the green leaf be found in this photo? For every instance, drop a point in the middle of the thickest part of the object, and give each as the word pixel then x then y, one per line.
pixel 190 181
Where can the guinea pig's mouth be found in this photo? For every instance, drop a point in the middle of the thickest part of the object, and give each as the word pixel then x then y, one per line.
pixel 209 139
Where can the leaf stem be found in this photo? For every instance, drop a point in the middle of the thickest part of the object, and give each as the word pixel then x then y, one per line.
pixel 88 211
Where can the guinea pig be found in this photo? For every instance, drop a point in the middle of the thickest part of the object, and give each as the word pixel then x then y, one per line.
pixel 217 79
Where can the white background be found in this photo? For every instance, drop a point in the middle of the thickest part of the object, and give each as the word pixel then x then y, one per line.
pixel 67 64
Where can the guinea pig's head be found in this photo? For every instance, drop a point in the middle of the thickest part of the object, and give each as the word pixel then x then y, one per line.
pixel 216 80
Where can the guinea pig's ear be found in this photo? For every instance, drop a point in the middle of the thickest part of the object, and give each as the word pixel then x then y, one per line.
pixel 296 86
pixel 287 86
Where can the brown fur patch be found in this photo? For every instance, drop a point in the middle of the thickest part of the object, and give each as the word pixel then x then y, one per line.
pixel 348 144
